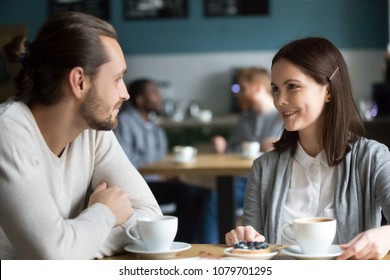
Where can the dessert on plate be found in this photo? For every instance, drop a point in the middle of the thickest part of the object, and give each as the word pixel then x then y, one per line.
pixel 255 247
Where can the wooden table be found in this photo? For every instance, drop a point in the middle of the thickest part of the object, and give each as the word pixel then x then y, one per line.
pixel 198 250
pixel 223 166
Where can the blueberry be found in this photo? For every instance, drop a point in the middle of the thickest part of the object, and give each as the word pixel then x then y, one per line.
pixel 255 245
pixel 264 245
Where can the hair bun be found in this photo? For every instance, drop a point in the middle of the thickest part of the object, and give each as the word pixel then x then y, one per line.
pixel 16 49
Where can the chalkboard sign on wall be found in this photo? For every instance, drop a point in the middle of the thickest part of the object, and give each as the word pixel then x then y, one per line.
pixel 231 8
pixel 98 8
pixel 144 9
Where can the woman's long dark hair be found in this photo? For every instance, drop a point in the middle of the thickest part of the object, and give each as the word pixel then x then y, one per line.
pixel 322 61
pixel 65 41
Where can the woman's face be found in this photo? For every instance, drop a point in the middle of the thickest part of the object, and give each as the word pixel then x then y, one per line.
pixel 299 98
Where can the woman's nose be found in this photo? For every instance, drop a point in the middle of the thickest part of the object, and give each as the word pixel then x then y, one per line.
pixel 281 100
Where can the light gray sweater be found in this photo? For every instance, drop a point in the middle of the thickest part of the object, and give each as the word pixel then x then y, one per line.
pixel 42 195
pixel 362 191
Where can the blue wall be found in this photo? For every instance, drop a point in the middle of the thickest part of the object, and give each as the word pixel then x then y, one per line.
pixel 348 23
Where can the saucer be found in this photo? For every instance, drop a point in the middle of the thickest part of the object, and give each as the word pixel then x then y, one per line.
pixel 268 256
pixel 175 248
pixel 295 251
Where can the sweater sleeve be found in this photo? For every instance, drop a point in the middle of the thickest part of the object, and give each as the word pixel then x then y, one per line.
pixel 29 214
pixel 381 180
pixel 113 166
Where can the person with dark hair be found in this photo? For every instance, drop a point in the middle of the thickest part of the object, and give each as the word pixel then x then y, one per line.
pixel 322 166
pixel 144 141
pixel 67 189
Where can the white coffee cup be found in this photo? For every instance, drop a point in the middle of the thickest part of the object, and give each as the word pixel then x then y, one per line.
pixel 185 154
pixel 250 149
pixel 154 233
pixel 314 235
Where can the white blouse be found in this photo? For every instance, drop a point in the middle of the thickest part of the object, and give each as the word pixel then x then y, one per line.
pixel 311 192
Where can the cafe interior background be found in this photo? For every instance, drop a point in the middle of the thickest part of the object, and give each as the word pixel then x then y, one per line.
pixel 192 48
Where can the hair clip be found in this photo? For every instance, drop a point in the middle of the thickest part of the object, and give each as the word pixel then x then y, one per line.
pixel 331 76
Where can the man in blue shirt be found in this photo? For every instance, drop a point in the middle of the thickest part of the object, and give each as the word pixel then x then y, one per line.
pixel 145 142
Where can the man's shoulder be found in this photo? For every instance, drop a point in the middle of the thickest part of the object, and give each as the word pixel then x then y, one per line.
pixel 10 105
pixel 13 113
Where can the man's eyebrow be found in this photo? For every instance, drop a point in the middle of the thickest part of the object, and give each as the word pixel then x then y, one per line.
pixel 124 71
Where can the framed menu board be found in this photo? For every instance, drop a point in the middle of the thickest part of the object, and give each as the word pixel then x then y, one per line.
pixel 149 9
pixel 230 8
pixel 98 8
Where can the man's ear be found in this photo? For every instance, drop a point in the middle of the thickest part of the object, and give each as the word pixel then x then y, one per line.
pixel 78 82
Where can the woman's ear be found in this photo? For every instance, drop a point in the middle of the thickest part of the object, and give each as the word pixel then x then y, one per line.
pixel 328 97
pixel 78 82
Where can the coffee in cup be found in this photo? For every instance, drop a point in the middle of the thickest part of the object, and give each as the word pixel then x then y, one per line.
pixel 314 235
pixel 250 149
pixel 154 233
pixel 185 154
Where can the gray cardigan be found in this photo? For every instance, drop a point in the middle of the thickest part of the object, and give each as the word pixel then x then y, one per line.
pixel 362 191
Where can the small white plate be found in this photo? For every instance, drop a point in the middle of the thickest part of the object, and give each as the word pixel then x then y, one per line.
pixel 295 251
pixel 268 256
pixel 175 248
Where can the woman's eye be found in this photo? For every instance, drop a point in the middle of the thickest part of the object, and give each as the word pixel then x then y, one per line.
pixel 292 86
pixel 274 90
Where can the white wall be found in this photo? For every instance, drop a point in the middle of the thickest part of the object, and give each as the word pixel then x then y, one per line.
pixel 205 77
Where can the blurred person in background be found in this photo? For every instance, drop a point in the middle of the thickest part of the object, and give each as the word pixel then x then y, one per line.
pixel 259 120
pixel 144 141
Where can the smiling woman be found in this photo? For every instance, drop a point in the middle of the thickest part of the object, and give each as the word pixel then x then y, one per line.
pixel 322 166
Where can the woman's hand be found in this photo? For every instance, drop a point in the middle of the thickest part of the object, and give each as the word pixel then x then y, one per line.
pixel 371 244
pixel 246 233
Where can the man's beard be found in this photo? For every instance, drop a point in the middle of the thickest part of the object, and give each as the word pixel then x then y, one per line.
pixel 90 110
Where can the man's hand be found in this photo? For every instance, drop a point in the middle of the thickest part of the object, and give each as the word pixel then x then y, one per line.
pixel 219 144
pixel 115 199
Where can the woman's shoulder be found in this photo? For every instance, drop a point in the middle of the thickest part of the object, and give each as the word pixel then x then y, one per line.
pixel 273 158
pixel 368 149
pixel 369 145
